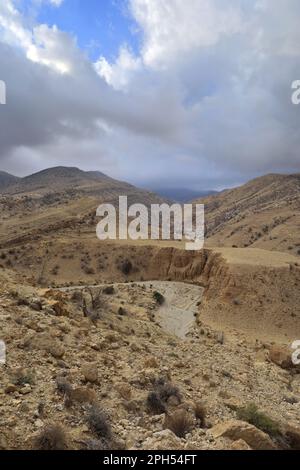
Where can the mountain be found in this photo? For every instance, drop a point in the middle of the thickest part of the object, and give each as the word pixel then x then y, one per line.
pixel 58 199
pixel 264 213
pixel 182 194
pixel 72 182
pixel 7 180
pixel 60 179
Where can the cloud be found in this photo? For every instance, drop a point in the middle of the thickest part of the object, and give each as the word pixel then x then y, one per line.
pixel 205 101
pixel 119 74
pixel 174 27
pixel 57 3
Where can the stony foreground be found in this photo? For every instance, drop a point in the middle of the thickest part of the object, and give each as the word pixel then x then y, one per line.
pixel 98 363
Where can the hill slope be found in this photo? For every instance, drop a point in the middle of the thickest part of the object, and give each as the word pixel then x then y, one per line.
pixel 60 199
pixel 7 180
pixel 264 213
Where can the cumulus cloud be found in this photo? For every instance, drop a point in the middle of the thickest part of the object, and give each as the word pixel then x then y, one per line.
pixel 205 102
pixel 174 27
pixel 119 74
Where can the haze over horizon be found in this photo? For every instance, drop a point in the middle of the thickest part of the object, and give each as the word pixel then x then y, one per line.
pixel 193 94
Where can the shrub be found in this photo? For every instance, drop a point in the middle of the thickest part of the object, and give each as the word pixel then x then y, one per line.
pixel 200 413
pixel 155 404
pixel 159 298
pixel 122 312
pixel 252 415
pixel 22 377
pixel 63 386
pixel 109 290
pixel 52 437
pixel 166 390
pixel 98 423
pixel 77 296
pixel 180 423
pixel 126 267
pixel 55 270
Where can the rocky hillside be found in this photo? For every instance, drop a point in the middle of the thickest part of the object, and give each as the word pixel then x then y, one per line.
pixel 264 213
pixel 92 368
pixel 7 180
pixel 60 198
pixel 70 181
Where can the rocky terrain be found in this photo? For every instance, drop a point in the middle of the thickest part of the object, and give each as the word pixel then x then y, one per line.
pixel 139 345
pixel 263 213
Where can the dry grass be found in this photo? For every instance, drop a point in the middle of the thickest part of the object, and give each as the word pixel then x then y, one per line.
pixel 180 423
pixel 52 437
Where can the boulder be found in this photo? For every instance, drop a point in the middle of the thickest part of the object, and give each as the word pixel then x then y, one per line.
pixel 236 430
pixel 90 372
pixel 281 356
pixel 240 445
pixel 163 440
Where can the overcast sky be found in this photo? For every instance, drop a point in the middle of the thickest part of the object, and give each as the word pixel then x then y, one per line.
pixel 189 93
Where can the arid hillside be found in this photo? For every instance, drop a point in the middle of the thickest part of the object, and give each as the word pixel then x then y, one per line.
pixel 264 213
pixel 58 199
pixel 144 345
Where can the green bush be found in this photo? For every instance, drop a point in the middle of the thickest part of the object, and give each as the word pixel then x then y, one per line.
pixel 252 415
pixel 159 298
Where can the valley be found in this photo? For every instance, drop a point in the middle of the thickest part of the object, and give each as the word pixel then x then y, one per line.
pixel 169 349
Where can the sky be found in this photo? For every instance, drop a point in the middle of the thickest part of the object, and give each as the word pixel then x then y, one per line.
pixel 160 93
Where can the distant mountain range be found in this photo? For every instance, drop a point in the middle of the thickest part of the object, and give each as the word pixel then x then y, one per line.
pixel 264 213
pixel 70 181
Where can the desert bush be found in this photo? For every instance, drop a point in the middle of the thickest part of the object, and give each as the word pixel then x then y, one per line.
pixel 252 415
pixel 98 423
pixel 180 423
pixel 55 270
pixel 200 412
pixel 96 299
pixel 109 290
pixel 88 270
pixel 155 404
pixel 166 390
pixel 63 386
pixel 159 298
pixel 22 377
pixel 77 296
pixel 122 312
pixel 126 267
pixel 52 437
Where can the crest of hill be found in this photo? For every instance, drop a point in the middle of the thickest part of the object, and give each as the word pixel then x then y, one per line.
pixel 73 182
pixel 58 179
pixel 263 213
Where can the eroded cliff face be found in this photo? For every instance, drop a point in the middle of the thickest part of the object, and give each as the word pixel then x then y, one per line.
pixel 260 301
pixel 253 291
